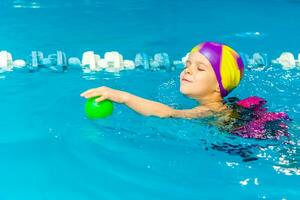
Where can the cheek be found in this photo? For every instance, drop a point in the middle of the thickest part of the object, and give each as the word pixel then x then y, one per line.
pixel 201 78
pixel 204 81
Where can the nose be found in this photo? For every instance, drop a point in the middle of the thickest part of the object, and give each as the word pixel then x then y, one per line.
pixel 188 70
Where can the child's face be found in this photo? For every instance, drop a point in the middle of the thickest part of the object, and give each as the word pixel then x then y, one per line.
pixel 198 79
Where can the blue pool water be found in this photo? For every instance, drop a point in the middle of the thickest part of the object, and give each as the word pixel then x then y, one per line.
pixel 50 150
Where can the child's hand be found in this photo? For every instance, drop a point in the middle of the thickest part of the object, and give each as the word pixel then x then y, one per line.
pixel 106 93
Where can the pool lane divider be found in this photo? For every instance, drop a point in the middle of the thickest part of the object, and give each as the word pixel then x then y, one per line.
pixel 114 62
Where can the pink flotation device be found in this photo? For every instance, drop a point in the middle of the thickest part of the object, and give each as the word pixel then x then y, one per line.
pixel 264 125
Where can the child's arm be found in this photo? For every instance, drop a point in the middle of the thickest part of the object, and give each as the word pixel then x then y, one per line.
pixel 152 108
pixel 143 106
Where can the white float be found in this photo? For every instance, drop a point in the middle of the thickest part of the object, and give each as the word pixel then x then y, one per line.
pixel 114 60
pixel 6 61
pixel 19 63
pixel 260 59
pixel 89 60
pixel 286 60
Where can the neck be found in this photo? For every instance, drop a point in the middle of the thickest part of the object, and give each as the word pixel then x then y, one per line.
pixel 213 102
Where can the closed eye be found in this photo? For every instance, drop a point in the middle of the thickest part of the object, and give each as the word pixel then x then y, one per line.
pixel 200 68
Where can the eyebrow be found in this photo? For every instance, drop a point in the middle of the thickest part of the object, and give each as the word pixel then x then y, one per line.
pixel 197 62
pixel 201 63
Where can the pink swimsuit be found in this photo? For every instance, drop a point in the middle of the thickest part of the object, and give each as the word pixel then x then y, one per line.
pixel 264 124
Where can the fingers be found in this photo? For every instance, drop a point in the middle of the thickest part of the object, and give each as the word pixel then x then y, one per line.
pixel 87 92
pixel 102 98
pixel 93 92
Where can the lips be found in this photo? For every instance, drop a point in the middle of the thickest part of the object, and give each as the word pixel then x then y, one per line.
pixel 186 80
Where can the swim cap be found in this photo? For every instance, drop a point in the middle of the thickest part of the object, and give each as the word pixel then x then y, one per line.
pixel 227 64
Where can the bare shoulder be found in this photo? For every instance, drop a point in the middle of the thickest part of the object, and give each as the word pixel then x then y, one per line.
pixel 197 112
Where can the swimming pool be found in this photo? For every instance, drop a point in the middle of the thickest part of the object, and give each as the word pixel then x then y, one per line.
pixel 50 150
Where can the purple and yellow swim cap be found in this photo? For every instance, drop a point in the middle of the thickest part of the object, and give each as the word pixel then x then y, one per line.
pixel 227 64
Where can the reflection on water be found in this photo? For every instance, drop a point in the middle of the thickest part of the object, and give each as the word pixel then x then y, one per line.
pixel 26 4
pixel 288 161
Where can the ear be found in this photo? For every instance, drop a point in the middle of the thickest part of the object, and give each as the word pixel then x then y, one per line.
pixel 217 89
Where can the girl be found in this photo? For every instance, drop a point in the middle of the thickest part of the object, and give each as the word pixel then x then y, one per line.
pixel 211 71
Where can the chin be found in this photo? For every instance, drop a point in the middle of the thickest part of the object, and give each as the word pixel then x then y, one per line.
pixel 190 93
pixel 184 90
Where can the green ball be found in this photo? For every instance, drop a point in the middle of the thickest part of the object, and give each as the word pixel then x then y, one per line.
pixel 96 110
